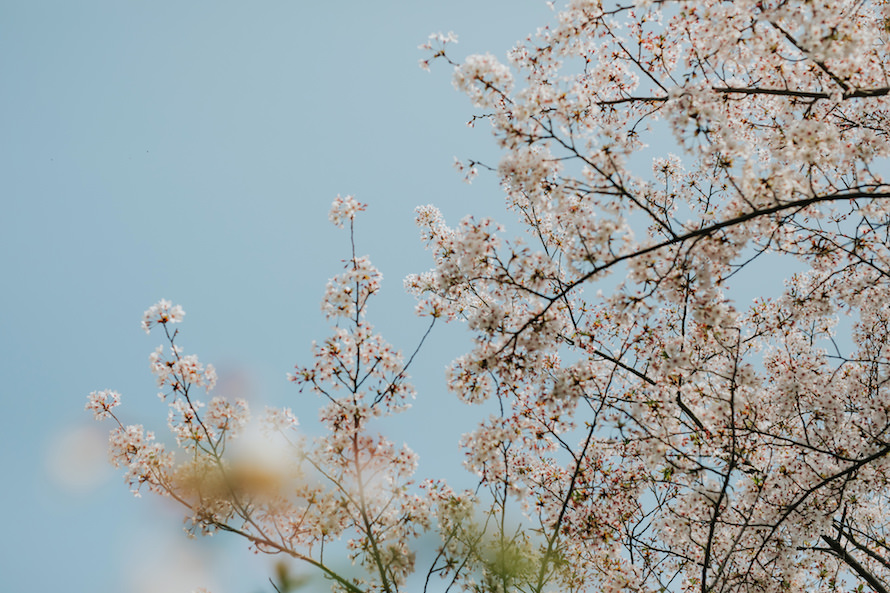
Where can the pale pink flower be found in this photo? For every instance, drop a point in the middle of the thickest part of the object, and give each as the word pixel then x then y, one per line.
pixel 146 461
pixel 344 209
pixel 348 292
pixel 161 313
pixel 225 416
pixel 101 403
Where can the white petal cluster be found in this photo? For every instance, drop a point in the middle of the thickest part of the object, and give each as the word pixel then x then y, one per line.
pixel 344 209
pixel 161 313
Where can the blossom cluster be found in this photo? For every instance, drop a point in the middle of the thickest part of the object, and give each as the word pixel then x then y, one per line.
pixel 346 294
pixel 344 209
pixel 100 403
pixel 180 371
pixel 161 313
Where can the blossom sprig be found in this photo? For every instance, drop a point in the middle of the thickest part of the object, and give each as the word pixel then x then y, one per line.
pixel 204 436
pixel 102 402
pixel 147 462
pixel 181 371
pixel 346 294
pixel 344 209
pixel 161 313
pixel 436 44
pixel 363 377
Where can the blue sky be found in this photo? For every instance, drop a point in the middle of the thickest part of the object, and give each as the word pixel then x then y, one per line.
pixel 190 150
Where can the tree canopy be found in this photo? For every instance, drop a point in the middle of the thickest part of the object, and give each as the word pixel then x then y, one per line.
pixel 656 429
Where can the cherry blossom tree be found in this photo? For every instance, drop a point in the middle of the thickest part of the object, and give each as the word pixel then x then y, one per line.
pixel 646 423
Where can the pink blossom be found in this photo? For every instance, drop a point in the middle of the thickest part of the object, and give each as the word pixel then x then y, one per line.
pixel 343 210
pixel 161 313
pixel 102 402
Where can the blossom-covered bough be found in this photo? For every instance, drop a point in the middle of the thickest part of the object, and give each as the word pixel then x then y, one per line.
pixel 665 419
pixel 352 483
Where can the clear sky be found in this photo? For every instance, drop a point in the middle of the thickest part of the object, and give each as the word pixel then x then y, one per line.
pixel 190 150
